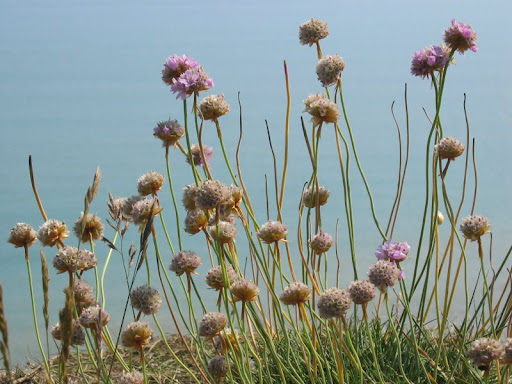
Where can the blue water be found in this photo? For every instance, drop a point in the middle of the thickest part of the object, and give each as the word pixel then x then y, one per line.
pixel 80 87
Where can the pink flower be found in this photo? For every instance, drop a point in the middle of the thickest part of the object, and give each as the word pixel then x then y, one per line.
pixel 428 60
pixel 191 81
pixel 461 37
pixel 392 251
pixel 175 65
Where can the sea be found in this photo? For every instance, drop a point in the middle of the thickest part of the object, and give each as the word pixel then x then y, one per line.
pixel 81 88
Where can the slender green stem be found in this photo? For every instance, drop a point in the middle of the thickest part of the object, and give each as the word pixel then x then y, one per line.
pixel 187 136
pixel 176 211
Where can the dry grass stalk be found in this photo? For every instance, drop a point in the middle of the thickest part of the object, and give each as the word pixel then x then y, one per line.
pixel 46 296
pixel 66 327
pixel 4 343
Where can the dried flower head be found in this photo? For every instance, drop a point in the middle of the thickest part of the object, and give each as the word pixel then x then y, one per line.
pixel 272 231
pixel 143 209
pixel 218 367
pixel 77 334
pixel 311 99
pixel 211 324
pixel 133 377
pixel 461 37
pixel 296 293
pixel 321 242
pixel 323 111
pixel 329 69
pixel 22 235
pixel 393 251
pixel 226 340
pixel 70 259
pixel 88 228
pixel 146 299
pixel 52 232
pixel 175 65
pixel 334 302
pixel 484 351
pixel 169 131
pixel 449 148
pixel 185 262
pixel 361 292
pixel 210 194
pixel 191 81
pixel 383 274
pixel 136 335
pixel 215 277
pixel 150 183
pixel 83 292
pixel 237 194
pixel 94 317
pixel 312 193
pixel 506 358
pixel 189 197
pixel 223 232
pixel 312 31
pixel 244 290
pixel 429 60
pixel 195 221
pixel 212 107
pixel 473 227
pixel 128 206
pixel 195 149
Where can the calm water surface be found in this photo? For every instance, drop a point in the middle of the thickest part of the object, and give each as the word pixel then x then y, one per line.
pixel 80 87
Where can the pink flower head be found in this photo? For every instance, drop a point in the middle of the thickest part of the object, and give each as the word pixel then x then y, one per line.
pixel 392 251
pixel 191 81
pixel 175 65
pixel 461 37
pixel 428 60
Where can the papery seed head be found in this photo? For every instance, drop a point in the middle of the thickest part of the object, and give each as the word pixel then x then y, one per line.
pixel 329 69
pixel 473 227
pixel 84 294
pixel 185 262
pixel 321 242
pixel 189 197
pixel 215 278
pixel 272 231
pixel 52 232
pixel 133 377
pixel 169 131
pixel 310 195
pixel 323 111
pixel 136 335
pixel 226 340
pixel 88 228
pixel 506 358
pixel 128 206
pixel 212 107
pixel 312 31
pixel 361 292
pixel 296 293
pixel 70 259
pixel 143 209
pixel 94 317
pixel 218 367
pixel 244 290
pixel 195 150
pixel 77 333
pixel 334 302
pixel 150 183
pixel 223 232
pixel 115 208
pixel 146 299
pixel 484 351
pixel 211 324
pixel 449 148
pixel 383 274
pixel 22 235
pixel 210 194
pixel 195 221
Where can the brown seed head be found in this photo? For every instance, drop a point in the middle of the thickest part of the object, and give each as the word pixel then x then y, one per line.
pixel 22 235
pixel 150 183
pixel 334 302
pixel 312 31
pixel 296 293
pixel 136 335
pixel 88 227
pixel 473 227
pixel 215 278
pixel 244 290
pixel 52 232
